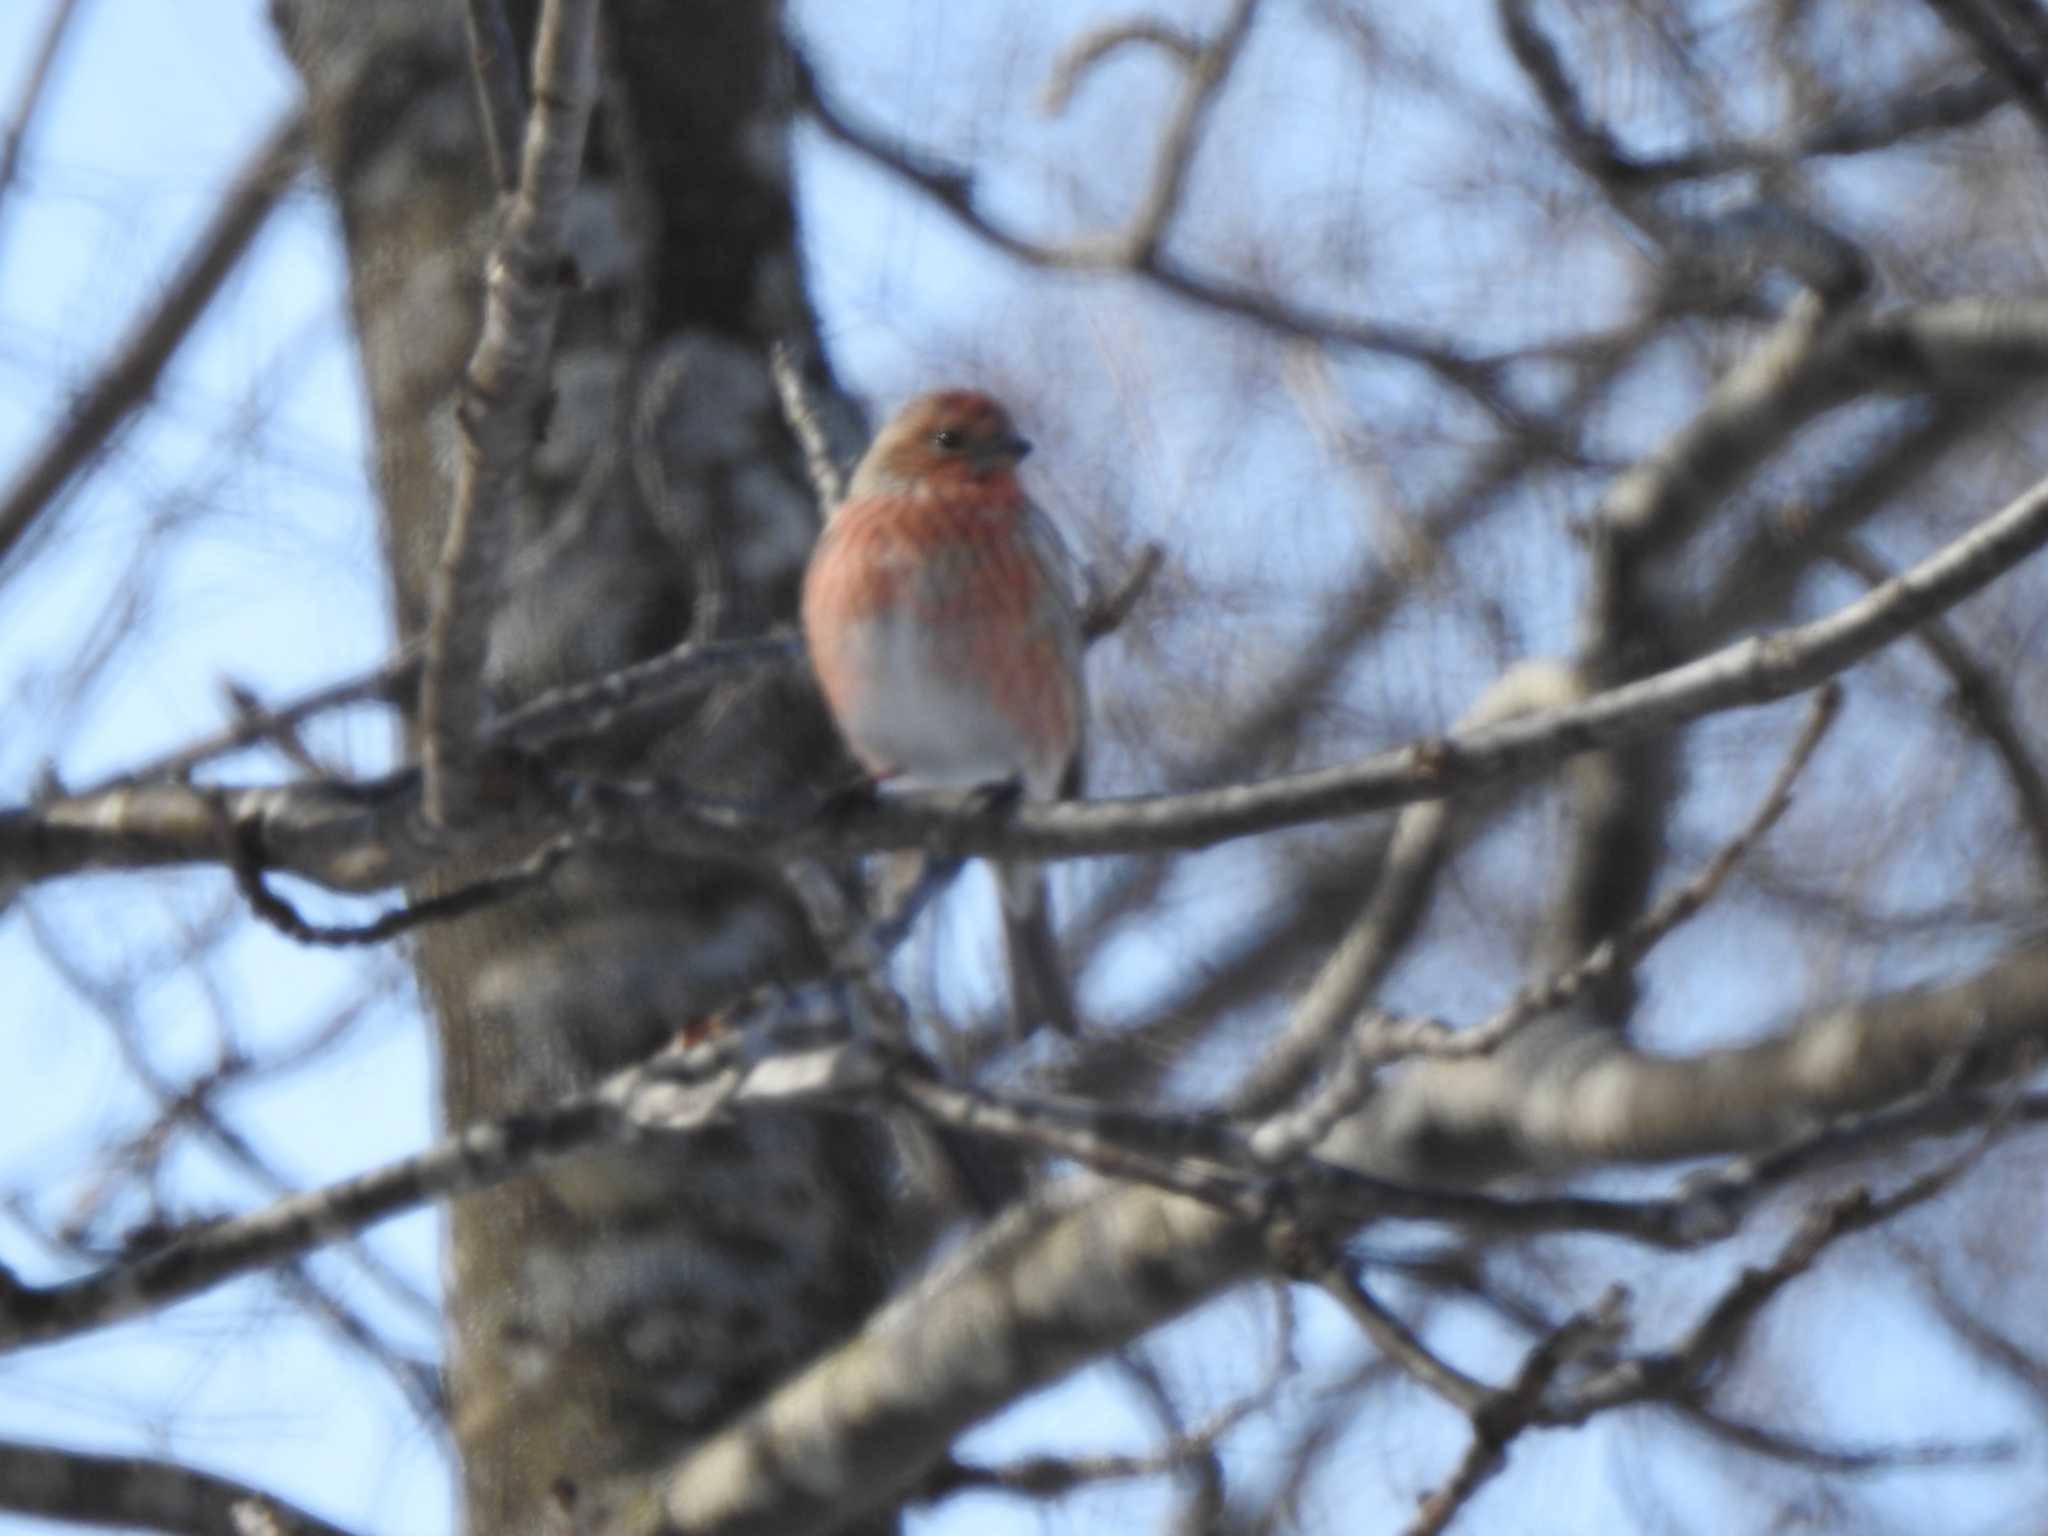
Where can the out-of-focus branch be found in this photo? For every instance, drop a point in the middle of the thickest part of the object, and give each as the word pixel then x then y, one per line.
pixel 125 382
pixel 501 101
pixel 1627 949
pixel 1755 582
pixel 1761 233
pixel 801 416
pixel 2021 76
pixel 575 711
pixel 1056 1282
pixel 1982 701
pixel 1091 48
pixel 499 415
pixel 1091 1267
pixel 1880 125
pixel 1397 1341
pixel 581 711
pixel 1675 1376
pixel 1208 67
pixel 1106 611
pixel 1356 966
pixel 953 190
pixel 80 1488
pixel 685 1090
pixel 1801 1450
pixel 394 682
pixel 1719 1333
pixel 1991 1346
pixel 14 137
pixel 1373 1042
pixel 1500 1417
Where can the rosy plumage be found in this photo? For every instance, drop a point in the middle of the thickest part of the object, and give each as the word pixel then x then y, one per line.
pixel 941 621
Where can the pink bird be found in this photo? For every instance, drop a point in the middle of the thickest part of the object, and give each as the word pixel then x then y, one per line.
pixel 941 620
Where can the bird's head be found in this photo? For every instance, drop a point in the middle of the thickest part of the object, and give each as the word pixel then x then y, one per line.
pixel 947 438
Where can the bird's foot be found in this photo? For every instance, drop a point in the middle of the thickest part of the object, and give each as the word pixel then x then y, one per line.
pixel 850 799
pixel 998 797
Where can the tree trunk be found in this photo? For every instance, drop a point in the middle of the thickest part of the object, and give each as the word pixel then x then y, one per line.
pixel 606 1315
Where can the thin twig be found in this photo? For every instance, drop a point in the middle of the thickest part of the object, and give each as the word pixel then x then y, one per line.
pixel 1106 614
pixel 2021 75
pixel 1091 48
pixel 1397 1341
pixel 1627 950
pixel 391 682
pixel 1982 700
pixel 1818 1455
pixel 1858 130
pixel 41 66
pixel 1502 1416
pixel 578 711
pixel 502 391
pixel 1207 72
pixel 280 914
pixel 129 377
pixel 1049 1477
pixel 801 416
pixel 501 99
pixel 953 190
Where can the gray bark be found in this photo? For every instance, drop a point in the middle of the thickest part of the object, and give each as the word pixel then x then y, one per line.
pixel 604 1315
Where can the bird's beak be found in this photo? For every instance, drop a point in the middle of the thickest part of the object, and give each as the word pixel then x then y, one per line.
pixel 1000 453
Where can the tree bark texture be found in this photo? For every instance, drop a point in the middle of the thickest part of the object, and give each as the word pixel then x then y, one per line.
pixel 604 1316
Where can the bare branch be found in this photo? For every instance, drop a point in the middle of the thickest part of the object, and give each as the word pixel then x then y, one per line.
pixel 1195 1247
pixel 952 189
pixel 501 99
pixel 394 682
pixel 1326 1013
pixel 1752 671
pixel 1091 48
pixel 1981 699
pixel 80 1488
pixel 1880 125
pixel 503 389
pixel 1398 1342
pixel 827 485
pixel 126 380
pixel 1207 71
pixel 1106 613
pixel 204 1256
pixel 1501 1417
pixel 2019 74
pixel 14 137
pixel 358 839
pixel 1805 1451
pixel 247 868
pixel 1721 1330
pixel 1615 955
pixel 1047 1477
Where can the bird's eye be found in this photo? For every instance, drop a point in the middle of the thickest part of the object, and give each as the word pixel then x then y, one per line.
pixel 948 438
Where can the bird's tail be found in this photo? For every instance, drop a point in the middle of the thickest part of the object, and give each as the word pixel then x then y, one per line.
pixel 1039 989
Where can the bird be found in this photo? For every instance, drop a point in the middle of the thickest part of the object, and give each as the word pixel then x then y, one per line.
pixel 940 615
